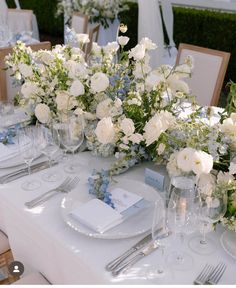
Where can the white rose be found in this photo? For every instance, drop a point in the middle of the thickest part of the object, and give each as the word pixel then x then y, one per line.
pixel 76 69
pixel 136 138
pixel 138 52
pixel 99 82
pixel 185 159
pixel 172 166
pixel 148 44
pixel 28 89
pixel 111 48
pixel 232 168
pixel 25 70
pixel 42 112
pixel 177 85
pixel 127 126
pixel 82 38
pixel 233 117
pixel 202 162
pixel 123 40
pixel 77 88
pixel 224 178
pixel 46 56
pixel 229 127
pixel 105 131
pixel 64 101
pixel 152 80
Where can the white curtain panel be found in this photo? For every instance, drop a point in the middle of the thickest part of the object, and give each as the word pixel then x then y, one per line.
pixel 168 18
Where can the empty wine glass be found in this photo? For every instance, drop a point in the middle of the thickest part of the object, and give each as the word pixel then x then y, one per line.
pixel 71 134
pixel 159 227
pixel 182 218
pixel 28 151
pixel 212 209
pixel 48 146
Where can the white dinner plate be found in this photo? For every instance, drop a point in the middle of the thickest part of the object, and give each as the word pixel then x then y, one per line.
pixel 228 242
pixel 133 226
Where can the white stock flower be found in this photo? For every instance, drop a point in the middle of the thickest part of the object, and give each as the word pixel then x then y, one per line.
pixel 224 178
pixel 111 48
pixel 202 162
pixel 148 44
pixel 183 71
pixel 127 126
pixel 103 108
pixel 161 148
pixel 76 69
pixel 28 89
pixel 123 40
pixel 77 88
pixel 136 138
pixel 82 38
pixel 64 101
pixel 158 124
pixel 184 159
pixel 177 85
pixel 25 70
pixel 206 183
pixel 96 49
pixel 105 131
pixel 46 56
pixel 42 112
pixel 172 166
pixel 152 80
pixel 99 82
pixel 138 52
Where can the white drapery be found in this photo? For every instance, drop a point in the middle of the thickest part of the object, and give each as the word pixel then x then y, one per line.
pixel 150 25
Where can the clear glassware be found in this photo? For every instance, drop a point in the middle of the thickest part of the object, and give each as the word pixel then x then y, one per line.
pixel 28 151
pixel 71 134
pixel 182 219
pixel 48 145
pixel 212 209
pixel 159 221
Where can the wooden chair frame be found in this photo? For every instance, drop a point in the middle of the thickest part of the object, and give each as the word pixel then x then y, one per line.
pixel 85 18
pixel 8 50
pixel 92 31
pixel 223 67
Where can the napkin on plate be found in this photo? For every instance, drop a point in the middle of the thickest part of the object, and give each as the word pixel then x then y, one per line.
pixel 97 215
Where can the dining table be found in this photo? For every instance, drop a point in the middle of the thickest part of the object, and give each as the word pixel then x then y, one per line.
pixel 42 240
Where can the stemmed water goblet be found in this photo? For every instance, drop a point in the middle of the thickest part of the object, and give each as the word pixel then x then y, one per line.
pixel 212 207
pixel 28 151
pixel 183 216
pixel 71 135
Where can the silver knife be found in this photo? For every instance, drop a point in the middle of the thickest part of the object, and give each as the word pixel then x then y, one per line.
pixel 24 171
pixel 116 262
pixel 148 249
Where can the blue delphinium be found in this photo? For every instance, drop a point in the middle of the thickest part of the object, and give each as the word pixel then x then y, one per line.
pixel 6 136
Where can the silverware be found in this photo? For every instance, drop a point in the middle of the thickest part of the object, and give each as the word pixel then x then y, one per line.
pixel 204 274
pixel 24 171
pixel 66 186
pixel 216 274
pixel 148 249
pixel 117 261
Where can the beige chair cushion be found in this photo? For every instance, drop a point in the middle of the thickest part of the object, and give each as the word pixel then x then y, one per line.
pixel 4 243
pixel 32 279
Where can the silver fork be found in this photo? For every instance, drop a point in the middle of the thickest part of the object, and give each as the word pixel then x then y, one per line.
pixel 66 186
pixel 204 275
pixel 216 274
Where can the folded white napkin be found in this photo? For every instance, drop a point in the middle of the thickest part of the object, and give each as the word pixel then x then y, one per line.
pixel 97 215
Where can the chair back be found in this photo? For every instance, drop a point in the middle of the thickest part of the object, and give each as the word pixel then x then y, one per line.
pixel 93 37
pixel 7 89
pixel 20 20
pixel 208 72
pixel 79 22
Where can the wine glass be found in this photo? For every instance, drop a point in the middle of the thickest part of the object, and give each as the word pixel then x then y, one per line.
pixel 71 134
pixel 28 151
pixel 182 218
pixel 159 227
pixel 212 209
pixel 48 146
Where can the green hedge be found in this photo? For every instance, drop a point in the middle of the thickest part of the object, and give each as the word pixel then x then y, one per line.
pixel 199 27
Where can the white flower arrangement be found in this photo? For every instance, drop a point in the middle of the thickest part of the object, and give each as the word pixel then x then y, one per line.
pixel 130 110
pixel 97 10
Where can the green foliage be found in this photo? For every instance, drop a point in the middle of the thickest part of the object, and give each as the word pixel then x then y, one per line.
pixel 231 101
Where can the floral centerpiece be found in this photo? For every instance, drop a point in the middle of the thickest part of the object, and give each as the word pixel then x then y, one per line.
pixel 100 11
pixel 131 111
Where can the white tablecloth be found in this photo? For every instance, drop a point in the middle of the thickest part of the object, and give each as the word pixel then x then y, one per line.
pixel 42 241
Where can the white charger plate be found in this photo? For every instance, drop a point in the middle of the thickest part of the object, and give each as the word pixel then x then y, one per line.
pixel 131 227
pixel 228 242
